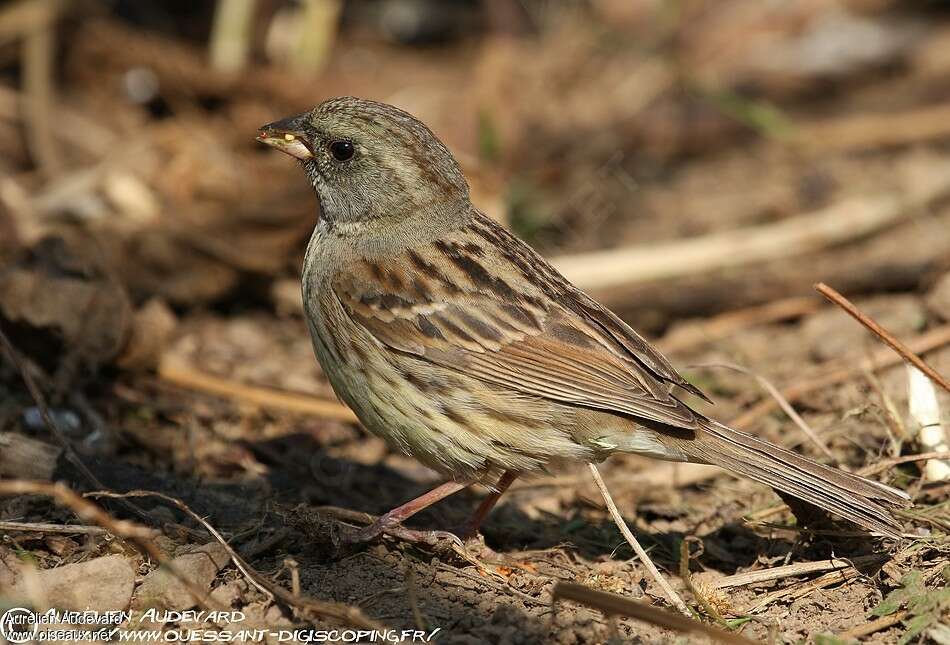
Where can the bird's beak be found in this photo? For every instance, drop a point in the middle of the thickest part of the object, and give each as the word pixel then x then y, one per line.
pixel 287 135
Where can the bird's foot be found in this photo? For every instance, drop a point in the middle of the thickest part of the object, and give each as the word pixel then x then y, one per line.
pixel 393 528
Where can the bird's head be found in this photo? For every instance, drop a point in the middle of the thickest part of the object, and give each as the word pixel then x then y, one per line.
pixel 369 160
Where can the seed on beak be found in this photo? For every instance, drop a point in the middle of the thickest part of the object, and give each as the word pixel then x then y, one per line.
pixel 288 135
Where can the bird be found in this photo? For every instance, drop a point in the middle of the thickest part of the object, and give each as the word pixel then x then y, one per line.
pixel 461 346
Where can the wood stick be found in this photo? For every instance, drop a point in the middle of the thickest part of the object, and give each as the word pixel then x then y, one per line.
pixel 320 22
pixel 792 570
pixel 831 373
pixel 44 527
pixel 698 594
pixel 874 626
pixel 37 111
pixel 882 333
pixel 892 419
pixel 845 221
pixel 189 378
pixel 613 604
pixel 24 16
pixel 632 541
pixel 800 591
pixel 231 35
pixel 863 131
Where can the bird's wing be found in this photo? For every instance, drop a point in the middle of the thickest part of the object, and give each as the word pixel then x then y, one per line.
pixel 483 303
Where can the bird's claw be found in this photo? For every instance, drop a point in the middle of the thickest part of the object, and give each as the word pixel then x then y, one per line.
pixel 394 529
pixel 429 538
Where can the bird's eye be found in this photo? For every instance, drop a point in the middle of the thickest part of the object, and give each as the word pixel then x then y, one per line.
pixel 342 150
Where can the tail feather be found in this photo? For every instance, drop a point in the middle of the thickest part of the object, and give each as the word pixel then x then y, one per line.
pixel 860 500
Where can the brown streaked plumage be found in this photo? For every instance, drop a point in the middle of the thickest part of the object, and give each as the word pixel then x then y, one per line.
pixel 456 342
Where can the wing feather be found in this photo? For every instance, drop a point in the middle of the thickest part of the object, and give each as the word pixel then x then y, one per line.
pixel 482 302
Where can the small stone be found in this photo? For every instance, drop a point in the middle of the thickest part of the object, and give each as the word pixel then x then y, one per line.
pixel 275 617
pixel 162 590
pixel 229 593
pixel 103 584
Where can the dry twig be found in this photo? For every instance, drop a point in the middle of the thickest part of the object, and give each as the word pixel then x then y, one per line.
pixel 616 605
pixel 632 541
pixel 906 352
pixel 792 570
pixel 231 35
pixel 874 626
pixel 38 54
pixel 294 568
pixel 864 131
pixel 44 527
pixel 192 379
pixel 319 21
pixel 698 594
pixel 19 18
pixel 801 590
pixel 895 427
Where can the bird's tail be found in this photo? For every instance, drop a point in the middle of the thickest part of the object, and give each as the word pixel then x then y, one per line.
pixel 860 500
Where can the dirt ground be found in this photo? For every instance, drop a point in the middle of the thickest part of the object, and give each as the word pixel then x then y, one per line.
pixel 196 239
pixel 262 478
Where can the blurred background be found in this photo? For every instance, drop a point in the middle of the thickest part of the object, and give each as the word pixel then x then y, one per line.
pixel 695 164
pixel 582 125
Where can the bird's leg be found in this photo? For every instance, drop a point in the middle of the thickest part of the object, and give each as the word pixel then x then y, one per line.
pixel 469 530
pixel 391 522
